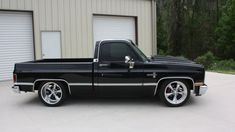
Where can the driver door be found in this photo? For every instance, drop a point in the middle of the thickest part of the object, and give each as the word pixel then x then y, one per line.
pixel 114 76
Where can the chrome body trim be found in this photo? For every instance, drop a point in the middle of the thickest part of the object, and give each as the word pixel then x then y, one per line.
pixel 118 84
pixel 180 77
pixel 23 83
pixel 90 84
pixel 51 80
pixel 149 84
pixel 154 75
pixel 80 84
pixel 56 63
pixel 112 84
pixel 59 71
pixel 107 84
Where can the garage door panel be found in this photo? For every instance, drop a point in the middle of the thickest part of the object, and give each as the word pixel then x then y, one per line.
pixel 114 27
pixel 16 41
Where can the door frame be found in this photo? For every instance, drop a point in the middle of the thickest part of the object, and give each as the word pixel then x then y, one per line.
pixel 41 31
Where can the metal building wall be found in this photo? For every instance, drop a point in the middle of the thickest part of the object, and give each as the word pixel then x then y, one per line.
pixel 74 19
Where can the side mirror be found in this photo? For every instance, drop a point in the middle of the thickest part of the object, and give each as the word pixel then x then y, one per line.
pixel 127 59
pixel 130 62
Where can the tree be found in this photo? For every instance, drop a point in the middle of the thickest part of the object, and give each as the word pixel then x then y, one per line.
pixel 161 37
pixel 187 27
pixel 225 32
pixel 161 33
pixel 176 27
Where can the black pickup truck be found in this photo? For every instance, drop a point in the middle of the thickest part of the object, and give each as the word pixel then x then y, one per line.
pixel 118 69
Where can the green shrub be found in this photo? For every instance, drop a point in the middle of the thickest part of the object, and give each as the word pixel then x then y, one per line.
pixel 224 65
pixel 211 62
pixel 207 60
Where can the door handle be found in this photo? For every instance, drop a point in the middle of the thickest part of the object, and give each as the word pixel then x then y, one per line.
pixel 103 65
pixel 111 75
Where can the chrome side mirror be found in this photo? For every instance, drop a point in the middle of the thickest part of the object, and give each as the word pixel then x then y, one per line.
pixel 127 59
pixel 130 62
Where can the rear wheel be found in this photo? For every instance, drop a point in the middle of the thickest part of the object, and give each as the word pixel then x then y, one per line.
pixel 174 92
pixel 52 93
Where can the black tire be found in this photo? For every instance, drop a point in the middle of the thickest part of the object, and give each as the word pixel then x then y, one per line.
pixel 61 93
pixel 168 98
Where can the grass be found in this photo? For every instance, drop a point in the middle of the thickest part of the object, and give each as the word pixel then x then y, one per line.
pixel 224 71
pixel 212 63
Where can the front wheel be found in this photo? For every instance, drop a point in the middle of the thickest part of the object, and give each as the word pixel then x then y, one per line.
pixel 174 92
pixel 52 93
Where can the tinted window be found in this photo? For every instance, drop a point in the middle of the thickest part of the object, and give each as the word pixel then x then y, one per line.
pixel 116 52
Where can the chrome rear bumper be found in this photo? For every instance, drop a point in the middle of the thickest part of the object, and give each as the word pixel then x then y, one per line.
pixel 16 89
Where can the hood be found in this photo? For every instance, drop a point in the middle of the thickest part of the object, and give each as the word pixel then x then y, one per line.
pixel 175 64
pixel 174 61
pixel 171 59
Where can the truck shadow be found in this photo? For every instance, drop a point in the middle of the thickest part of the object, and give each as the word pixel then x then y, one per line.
pixel 111 101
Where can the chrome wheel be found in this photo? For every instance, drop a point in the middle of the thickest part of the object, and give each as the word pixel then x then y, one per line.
pixel 51 93
pixel 176 92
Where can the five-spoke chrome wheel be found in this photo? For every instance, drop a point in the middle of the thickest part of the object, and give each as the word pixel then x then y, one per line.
pixel 51 93
pixel 174 92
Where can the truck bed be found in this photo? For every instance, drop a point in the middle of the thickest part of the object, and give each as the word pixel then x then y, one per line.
pixel 72 70
pixel 62 60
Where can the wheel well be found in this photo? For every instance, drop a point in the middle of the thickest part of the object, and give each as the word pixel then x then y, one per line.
pixel 189 81
pixel 38 83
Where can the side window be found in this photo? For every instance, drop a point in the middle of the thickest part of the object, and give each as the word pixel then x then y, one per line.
pixel 116 52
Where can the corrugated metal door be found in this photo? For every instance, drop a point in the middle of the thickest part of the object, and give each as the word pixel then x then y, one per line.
pixel 16 41
pixel 114 27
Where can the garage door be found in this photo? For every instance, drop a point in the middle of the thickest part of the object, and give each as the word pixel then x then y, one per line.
pixel 113 27
pixel 16 41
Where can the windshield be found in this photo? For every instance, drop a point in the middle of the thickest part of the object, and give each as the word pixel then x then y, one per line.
pixel 140 53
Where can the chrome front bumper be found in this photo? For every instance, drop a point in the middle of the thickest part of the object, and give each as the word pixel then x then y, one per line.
pixel 203 89
pixel 16 89
pixel 200 90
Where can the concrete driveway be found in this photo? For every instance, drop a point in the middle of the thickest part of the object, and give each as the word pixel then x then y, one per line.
pixel 213 112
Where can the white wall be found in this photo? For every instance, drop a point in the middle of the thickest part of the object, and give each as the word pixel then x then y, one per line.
pixel 73 18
